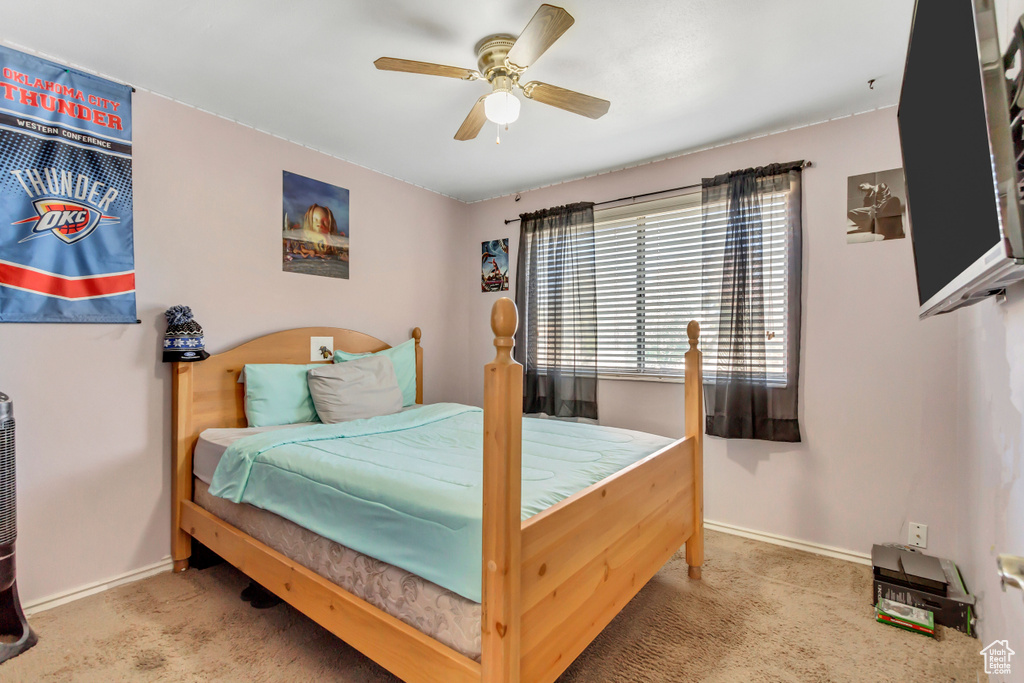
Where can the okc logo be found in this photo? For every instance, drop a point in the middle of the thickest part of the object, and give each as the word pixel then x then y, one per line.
pixel 68 221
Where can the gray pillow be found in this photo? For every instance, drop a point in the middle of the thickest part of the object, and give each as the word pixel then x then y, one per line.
pixel 365 387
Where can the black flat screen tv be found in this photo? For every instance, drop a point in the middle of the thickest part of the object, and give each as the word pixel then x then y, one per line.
pixel 958 156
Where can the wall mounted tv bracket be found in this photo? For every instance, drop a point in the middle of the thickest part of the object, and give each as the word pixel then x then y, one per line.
pixel 1013 64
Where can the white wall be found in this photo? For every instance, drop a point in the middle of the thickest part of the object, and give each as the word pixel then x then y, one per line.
pixel 92 402
pixel 991 440
pixel 877 394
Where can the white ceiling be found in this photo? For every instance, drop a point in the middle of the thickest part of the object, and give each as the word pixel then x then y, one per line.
pixel 680 74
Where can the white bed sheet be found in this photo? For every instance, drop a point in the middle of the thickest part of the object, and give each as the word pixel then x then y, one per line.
pixel 213 442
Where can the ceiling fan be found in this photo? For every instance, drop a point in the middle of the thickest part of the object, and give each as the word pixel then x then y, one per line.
pixel 502 59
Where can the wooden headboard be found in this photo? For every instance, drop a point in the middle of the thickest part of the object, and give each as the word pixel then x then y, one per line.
pixel 207 394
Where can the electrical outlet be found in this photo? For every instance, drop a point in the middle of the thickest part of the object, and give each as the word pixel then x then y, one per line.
pixel 918 536
pixel 321 348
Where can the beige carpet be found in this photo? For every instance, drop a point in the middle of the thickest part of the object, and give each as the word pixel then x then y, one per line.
pixel 762 613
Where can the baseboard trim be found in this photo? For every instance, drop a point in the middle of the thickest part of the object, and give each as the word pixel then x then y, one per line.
pixel 37 606
pixel 807 546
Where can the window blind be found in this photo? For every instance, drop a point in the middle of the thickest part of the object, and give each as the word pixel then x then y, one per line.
pixel 657 268
pixel 556 290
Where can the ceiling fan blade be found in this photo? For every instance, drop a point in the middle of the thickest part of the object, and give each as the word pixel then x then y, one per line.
pixel 547 25
pixel 470 128
pixel 413 67
pixel 569 100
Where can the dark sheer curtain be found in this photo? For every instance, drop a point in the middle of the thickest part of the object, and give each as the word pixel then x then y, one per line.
pixel 745 395
pixel 556 293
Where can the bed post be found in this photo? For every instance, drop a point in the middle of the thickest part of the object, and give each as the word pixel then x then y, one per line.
pixel 502 503
pixel 416 334
pixel 181 461
pixel 695 428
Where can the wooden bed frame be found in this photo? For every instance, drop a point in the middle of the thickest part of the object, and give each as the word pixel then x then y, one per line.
pixel 550 583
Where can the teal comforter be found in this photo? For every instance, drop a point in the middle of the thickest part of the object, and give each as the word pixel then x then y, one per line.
pixel 406 488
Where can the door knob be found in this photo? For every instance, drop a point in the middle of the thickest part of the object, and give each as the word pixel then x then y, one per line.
pixel 1011 571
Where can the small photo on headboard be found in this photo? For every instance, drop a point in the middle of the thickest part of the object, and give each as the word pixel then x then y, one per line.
pixel 321 348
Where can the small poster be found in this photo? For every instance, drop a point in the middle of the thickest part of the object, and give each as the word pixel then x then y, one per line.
pixel 876 203
pixel 316 231
pixel 494 266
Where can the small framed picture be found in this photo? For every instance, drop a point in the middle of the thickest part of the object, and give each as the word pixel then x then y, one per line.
pixel 875 204
pixel 494 266
pixel 316 231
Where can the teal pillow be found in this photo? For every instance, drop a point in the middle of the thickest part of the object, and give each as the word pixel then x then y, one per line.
pixel 403 357
pixel 277 394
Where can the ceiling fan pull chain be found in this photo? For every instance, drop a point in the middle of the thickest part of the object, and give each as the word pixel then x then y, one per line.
pixel 497 140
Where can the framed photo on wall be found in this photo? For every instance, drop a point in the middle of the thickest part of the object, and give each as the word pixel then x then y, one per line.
pixel 494 265
pixel 875 204
pixel 316 227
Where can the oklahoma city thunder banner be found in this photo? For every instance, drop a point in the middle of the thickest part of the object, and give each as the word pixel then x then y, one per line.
pixel 66 248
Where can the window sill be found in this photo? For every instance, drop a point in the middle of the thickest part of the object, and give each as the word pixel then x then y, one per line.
pixel 670 379
pixel 664 379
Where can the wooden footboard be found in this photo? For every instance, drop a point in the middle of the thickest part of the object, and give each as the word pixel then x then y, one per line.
pixel 552 583
pixel 586 557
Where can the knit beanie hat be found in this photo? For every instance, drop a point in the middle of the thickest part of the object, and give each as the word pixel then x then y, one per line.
pixel 183 340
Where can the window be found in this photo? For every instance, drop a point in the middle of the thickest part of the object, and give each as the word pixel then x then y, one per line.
pixel 657 268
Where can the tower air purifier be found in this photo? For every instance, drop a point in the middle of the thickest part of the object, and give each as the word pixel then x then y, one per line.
pixel 15 634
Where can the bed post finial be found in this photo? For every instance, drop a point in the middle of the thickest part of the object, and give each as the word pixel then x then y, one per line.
pixel 502 503
pixel 504 321
pixel 693 332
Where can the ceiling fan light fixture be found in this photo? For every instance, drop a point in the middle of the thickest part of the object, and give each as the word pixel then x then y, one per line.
pixel 501 60
pixel 501 107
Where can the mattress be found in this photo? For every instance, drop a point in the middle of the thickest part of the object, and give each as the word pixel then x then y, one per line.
pixel 430 609
pixel 406 488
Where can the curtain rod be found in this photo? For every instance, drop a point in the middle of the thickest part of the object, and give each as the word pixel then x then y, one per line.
pixel 806 164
